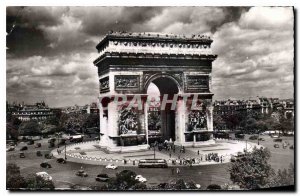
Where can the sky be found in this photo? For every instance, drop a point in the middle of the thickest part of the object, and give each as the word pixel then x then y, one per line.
pixel 50 50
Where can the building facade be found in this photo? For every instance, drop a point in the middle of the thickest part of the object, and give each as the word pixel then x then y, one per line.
pixel 38 112
pixel 179 66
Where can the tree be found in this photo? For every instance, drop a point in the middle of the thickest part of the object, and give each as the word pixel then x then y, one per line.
pixel 92 120
pixel 30 128
pixel 253 170
pixel 14 180
pixel 125 180
pixel 38 183
pixel 283 177
pixel 219 122
pixel 251 125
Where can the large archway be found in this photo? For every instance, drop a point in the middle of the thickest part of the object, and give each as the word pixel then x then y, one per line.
pixel 161 122
pixel 128 63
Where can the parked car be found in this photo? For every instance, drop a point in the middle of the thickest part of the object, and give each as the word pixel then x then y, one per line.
pixel 30 142
pixel 81 173
pixel 22 155
pixel 61 160
pixel 102 177
pixel 24 148
pixel 261 139
pixel 51 140
pixel 10 148
pixel 277 140
pixel 111 166
pixel 45 165
pixel 38 145
pixel 51 145
pixel 291 147
pixel 44 175
pixel 198 186
pixel 140 178
pixel 276 145
pixel 48 156
pixel 275 136
pixel 39 154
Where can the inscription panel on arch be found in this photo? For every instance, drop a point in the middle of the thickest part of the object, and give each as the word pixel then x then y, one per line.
pixel 127 82
pixel 197 83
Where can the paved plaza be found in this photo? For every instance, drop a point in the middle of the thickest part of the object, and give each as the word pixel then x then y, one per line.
pixel 90 153
pixel 64 174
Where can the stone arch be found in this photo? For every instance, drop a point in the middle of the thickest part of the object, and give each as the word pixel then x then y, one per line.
pixel 162 75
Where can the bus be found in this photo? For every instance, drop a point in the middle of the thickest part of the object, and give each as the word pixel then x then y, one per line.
pixel 152 163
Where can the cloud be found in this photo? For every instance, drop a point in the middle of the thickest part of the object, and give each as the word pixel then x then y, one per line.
pixel 51 49
pixel 255 54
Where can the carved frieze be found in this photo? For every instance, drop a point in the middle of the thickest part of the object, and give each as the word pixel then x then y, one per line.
pixel 127 82
pixel 128 121
pixel 104 85
pixel 197 120
pixel 197 83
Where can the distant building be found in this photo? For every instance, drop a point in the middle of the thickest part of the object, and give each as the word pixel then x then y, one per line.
pixel 86 109
pixel 261 104
pixel 92 108
pixel 39 111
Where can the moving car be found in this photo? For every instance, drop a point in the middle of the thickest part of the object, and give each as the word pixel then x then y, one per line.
pixel 30 142
pixel 45 165
pixel 37 145
pixel 61 160
pixel 44 175
pixel 10 148
pixel 140 178
pixel 150 163
pixel 24 148
pixel 102 177
pixel 276 145
pixel 81 173
pixel 22 155
pixel 198 186
pixel 111 166
pixel 48 156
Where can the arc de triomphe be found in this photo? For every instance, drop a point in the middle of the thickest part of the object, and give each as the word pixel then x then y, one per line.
pixel 179 66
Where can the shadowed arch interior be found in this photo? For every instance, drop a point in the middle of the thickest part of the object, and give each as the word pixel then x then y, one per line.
pixel 167 86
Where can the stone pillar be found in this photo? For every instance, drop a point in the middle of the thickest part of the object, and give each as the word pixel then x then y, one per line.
pixel 209 113
pixel 146 106
pixel 180 124
pixel 112 126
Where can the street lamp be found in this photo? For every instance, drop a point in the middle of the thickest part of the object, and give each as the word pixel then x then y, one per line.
pixel 65 150
pixel 154 145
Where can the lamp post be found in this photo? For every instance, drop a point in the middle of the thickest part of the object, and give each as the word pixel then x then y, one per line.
pixel 155 143
pixel 66 150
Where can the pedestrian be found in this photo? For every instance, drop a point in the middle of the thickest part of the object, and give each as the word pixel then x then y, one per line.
pixel 173 170
pixel 177 170
pixel 170 155
pixel 57 150
pixel 198 152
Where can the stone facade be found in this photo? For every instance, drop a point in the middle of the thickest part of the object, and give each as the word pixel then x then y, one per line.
pixel 180 66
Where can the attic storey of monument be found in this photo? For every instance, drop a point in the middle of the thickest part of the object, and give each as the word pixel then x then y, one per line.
pixel 179 66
